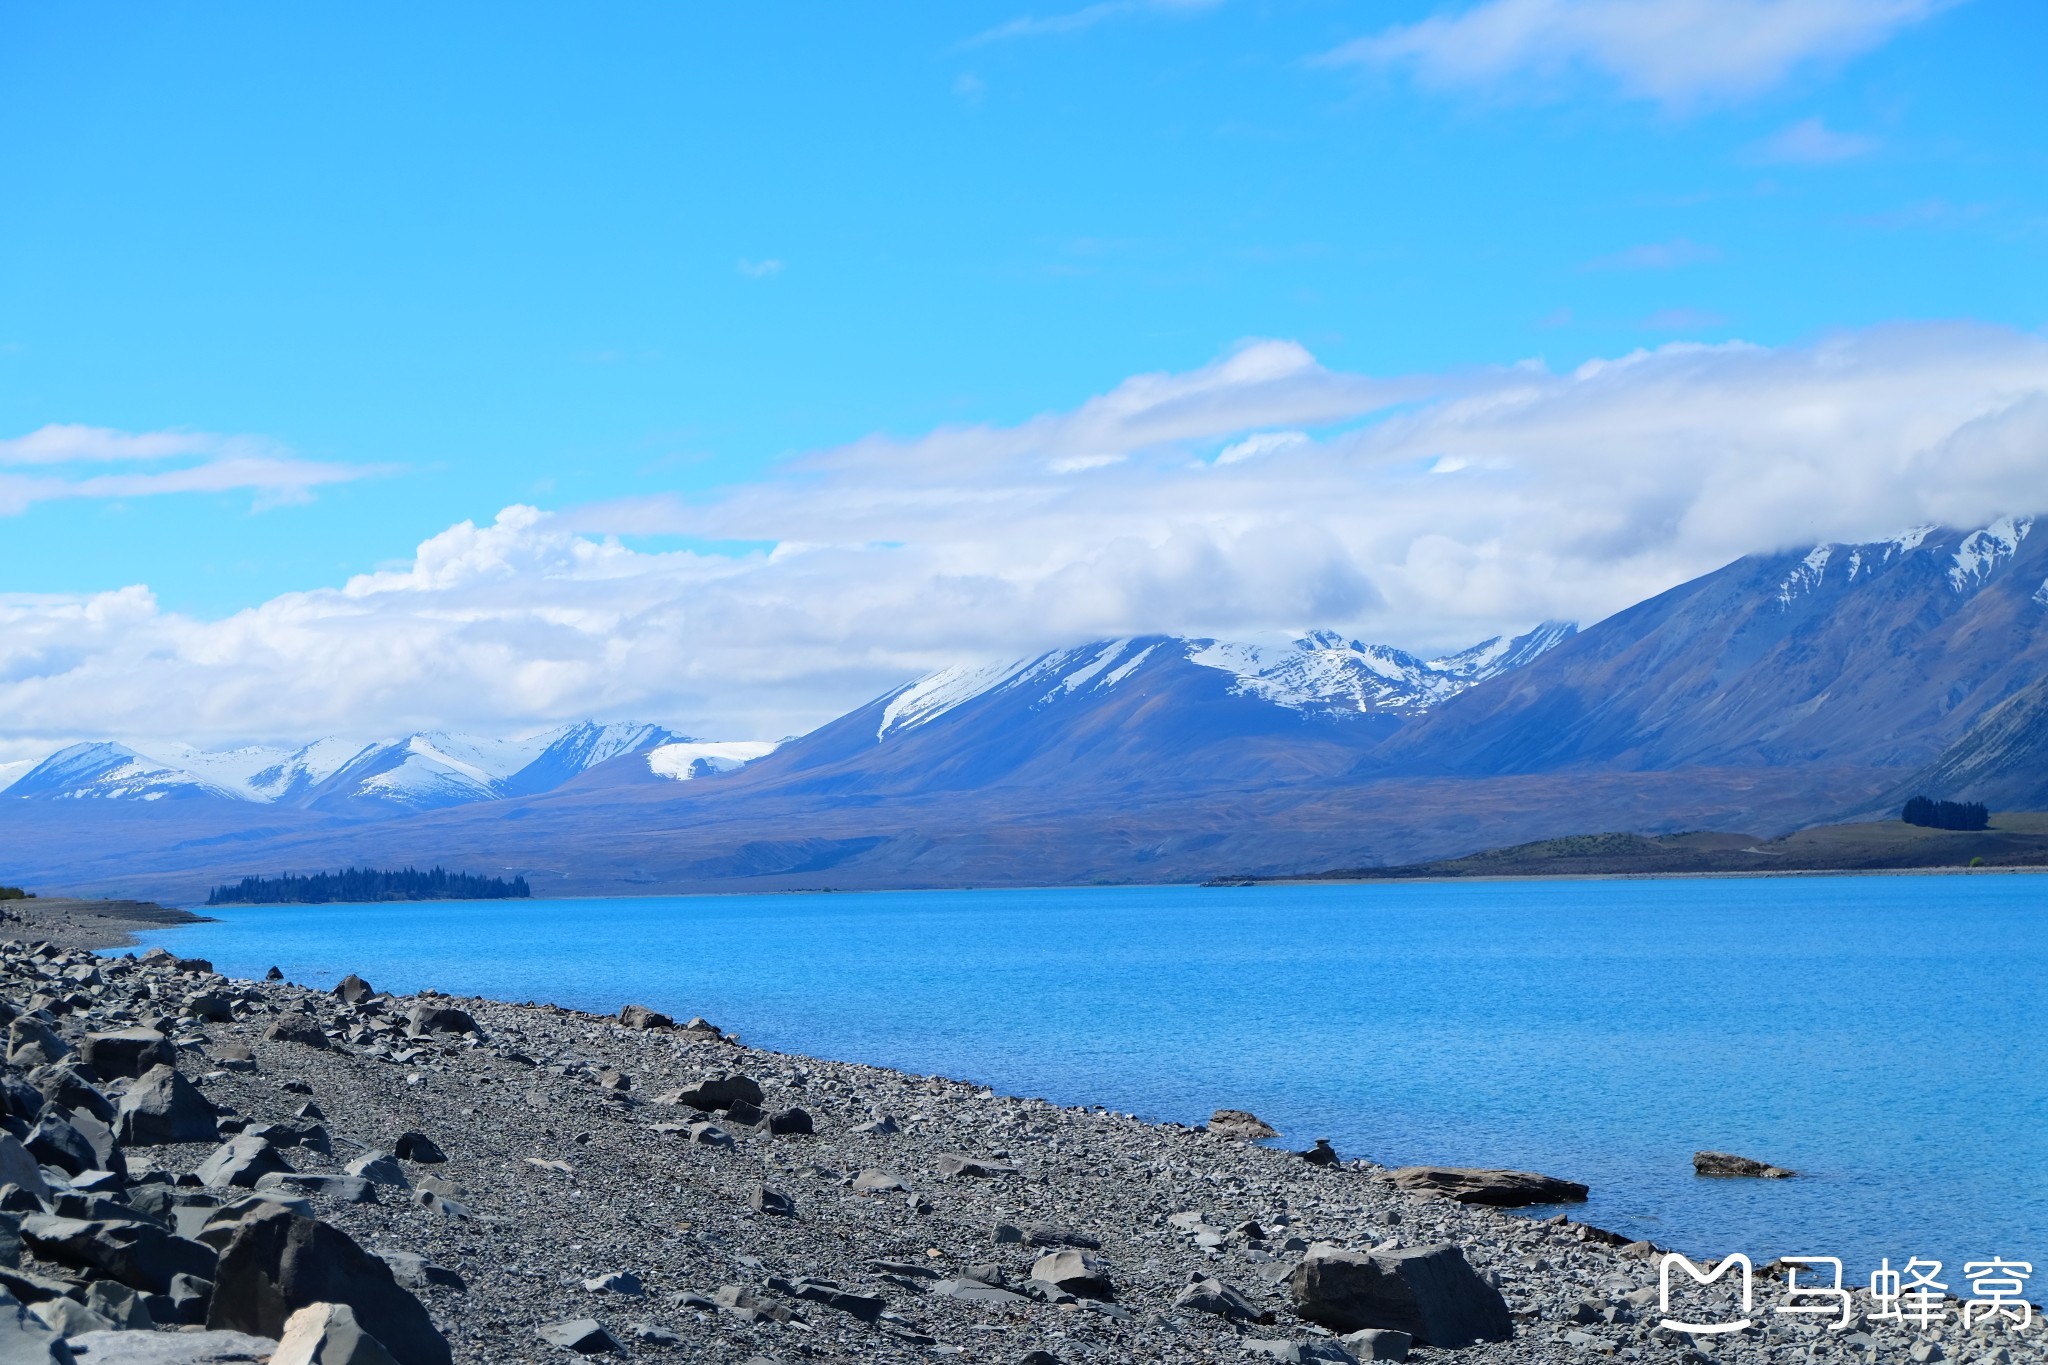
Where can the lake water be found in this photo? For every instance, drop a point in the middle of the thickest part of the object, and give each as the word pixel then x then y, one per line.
pixel 1885 1036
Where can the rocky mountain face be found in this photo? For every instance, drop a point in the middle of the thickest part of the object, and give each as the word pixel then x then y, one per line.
pixel 1878 656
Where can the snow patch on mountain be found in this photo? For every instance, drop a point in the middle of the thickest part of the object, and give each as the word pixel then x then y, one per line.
pixel 1983 551
pixel 104 770
pixel 11 771
pixel 688 758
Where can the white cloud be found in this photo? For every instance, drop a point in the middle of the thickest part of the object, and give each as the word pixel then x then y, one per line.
pixel 213 464
pixel 1676 52
pixel 760 270
pixel 1429 511
pixel 1811 142
pixel 1080 20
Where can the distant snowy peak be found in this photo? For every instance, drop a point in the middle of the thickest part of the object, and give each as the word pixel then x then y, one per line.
pixel 1972 558
pixel 424 771
pixel 1322 673
pixel 1327 674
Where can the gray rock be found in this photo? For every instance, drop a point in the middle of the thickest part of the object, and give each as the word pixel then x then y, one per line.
pixel 30 1042
pixel 717 1093
pixel 241 1160
pixel 55 1142
pixel 26 1339
pixel 418 1148
pixel 163 1107
pixel 68 1085
pixel 415 1271
pixel 353 990
pixel 654 1334
pixel 1497 1189
pixel 1322 1154
pixel 789 1122
pixel 1728 1164
pixel 1214 1296
pixel 69 1318
pixel 641 1017
pixel 342 1189
pixel 424 1019
pixel 866 1307
pixel 1059 1235
pixel 279 1263
pixel 881 1125
pixel 440 1204
pixel 1241 1124
pixel 172 1348
pixel 232 1056
pixel 877 1182
pixel 1428 1292
pixel 584 1336
pixel 771 1201
pixel 19 1169
pixel 328 1334
pixel 121 1306
pixel 952 1164
pixel 125 1052
pixel 297 1028
pixel 1079 1273
pixel 380 1169
pixel 1378 1343
pixel 616 1282
pixel 709 1134
pixel 975 1291
pixel 138 1254
pixel 211 1006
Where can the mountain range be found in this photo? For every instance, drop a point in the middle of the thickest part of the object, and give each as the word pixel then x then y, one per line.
pixel 1782 690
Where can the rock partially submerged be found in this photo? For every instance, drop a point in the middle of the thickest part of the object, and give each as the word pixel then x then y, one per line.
pixel 1728 1164
pixel 1242 1124
pixel 1497 1189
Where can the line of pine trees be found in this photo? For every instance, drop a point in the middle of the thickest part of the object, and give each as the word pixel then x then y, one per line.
pixel 1946 814
pixel 367 884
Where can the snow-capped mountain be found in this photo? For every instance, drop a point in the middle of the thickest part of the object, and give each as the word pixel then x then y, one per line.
pixel 425 771
pixel 1320 674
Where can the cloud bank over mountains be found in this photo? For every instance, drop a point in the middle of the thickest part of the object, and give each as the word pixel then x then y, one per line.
pixel 1250 498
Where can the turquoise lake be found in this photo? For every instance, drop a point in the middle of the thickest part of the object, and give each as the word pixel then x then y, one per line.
pixel 1885 1036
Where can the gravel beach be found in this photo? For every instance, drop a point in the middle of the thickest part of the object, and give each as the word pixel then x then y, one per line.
pixel 548 1183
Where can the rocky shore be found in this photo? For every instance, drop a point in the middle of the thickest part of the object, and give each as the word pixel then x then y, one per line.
pixel 432 1179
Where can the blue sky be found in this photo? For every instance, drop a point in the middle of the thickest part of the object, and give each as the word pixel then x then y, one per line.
pixel 364 274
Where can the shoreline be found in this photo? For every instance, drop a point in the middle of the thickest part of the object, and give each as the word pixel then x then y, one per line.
pixel 577 1147
pixel 77 922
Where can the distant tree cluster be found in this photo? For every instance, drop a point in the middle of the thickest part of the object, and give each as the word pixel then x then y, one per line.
pixel 368 884
pixel 1946 814
pixel 15 893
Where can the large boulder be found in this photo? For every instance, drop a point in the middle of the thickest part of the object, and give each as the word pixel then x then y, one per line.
pixel 423 1019
pixel 139 1254
pixel 1499 1189
pixel 55 1142
pixel 26 1339
pixel 19 1168
pixel 31 1042
pixel 1429 1292
pixel 1729 1164
pixel 716 1094
pixel 353 990
pixel 297 1028
pixel 164 1107
pixel 1209 1295
pixel 639 1016
pixel 69 1085
pixel 1241 1124
pixel 328 1334
pixel 241 1160
pixel 1075 1272
pixel 126 1052
pixel 279 1263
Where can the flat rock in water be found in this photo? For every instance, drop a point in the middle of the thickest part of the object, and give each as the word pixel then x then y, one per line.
pixel 1728 1164
pixel 1241 1123
pixel 1497 1189
pixel 1429 1292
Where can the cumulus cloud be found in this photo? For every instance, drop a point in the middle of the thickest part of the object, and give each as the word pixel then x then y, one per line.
pixel 211 463
pixel 1428 511
pixel 1676 52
